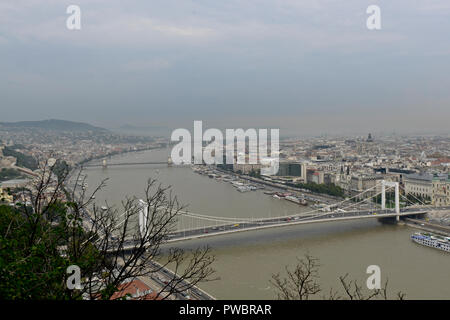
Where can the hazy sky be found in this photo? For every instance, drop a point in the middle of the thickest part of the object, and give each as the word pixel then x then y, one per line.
pixel 308 66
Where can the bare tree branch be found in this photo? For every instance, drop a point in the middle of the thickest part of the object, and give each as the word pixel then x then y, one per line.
pixel 107 243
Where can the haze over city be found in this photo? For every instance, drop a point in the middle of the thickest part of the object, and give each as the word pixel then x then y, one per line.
pixel 309 67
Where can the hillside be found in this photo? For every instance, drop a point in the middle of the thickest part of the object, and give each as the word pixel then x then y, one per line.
pixel 52 124
pixel 23 160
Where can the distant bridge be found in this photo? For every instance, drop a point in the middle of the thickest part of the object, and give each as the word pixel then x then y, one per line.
pixel 26 171
pixel 123 164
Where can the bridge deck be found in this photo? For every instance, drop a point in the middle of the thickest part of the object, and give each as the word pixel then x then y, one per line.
pixel 124 164
pixel 274 223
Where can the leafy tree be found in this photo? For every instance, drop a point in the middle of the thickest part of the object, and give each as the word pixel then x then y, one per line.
pixel 29 269
pixel 330 189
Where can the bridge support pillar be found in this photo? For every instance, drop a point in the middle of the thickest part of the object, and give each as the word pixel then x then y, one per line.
pixel 143 217
pixel 397 196
pixel 397 201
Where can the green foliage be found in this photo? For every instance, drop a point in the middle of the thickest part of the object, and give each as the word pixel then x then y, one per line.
pixel 27 268
pixel 31 263
pixel 330 189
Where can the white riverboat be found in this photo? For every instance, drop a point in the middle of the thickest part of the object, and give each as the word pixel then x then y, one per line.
pixel 431 240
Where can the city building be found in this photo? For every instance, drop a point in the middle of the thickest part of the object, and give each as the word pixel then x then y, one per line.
pixel 362 182
pixel 292 169
pixel 134 290
pixel 315 176
pixel 5 197
pixel 246 168
pixel 419 185
pixel 329 178
pixel 441 192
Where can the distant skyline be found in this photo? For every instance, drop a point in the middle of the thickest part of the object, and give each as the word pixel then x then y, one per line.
pixel 307 67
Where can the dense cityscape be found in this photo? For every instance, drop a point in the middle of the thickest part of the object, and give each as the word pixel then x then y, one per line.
pixel 421 164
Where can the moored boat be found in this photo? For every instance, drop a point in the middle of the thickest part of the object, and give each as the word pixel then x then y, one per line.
pixel 432 240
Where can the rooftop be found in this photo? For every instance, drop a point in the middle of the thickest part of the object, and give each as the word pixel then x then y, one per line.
pixel 422 177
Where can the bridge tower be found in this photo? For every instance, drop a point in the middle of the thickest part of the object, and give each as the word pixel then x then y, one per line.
pixel 143 216
pixel 385 184
pixel 169 158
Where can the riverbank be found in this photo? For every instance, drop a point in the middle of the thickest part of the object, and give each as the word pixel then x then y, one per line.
pixel 427 226
pixel 278 186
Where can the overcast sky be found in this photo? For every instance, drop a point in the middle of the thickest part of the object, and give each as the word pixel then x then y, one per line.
pixel 306 66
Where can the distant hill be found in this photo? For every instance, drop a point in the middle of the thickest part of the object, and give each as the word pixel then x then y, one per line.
pixel 145 130
pixel 53 124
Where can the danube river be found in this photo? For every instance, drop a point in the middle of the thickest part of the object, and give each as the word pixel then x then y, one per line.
pixel 245 261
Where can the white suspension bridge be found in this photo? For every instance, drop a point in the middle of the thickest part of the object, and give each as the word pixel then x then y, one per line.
pixel 359 206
